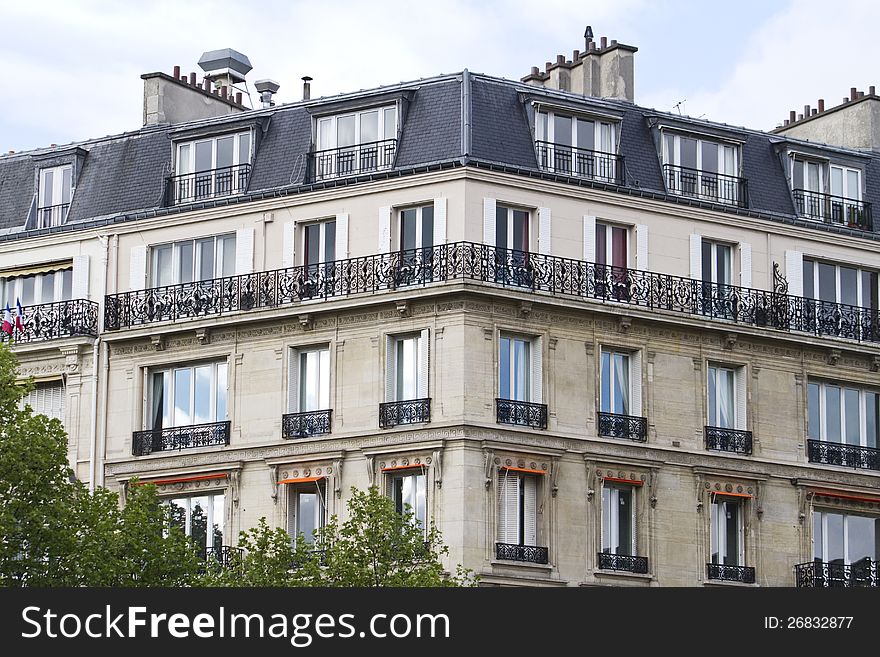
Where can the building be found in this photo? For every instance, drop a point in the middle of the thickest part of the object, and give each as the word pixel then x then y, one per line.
pixel 596 343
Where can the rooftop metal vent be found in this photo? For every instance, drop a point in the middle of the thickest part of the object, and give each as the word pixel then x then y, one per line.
pixel 225 63
pixel 266 89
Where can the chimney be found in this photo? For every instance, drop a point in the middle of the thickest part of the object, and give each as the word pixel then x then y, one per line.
pixel 266 88
pixel 307 87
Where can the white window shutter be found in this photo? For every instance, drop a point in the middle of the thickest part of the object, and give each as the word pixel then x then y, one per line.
pixel 293 383
pixel 794 272
pixel 287 248
pixel 137 268
pixel 389 368
pixel 589 238
pixel 291 511
pixel 508 508
pixel 635 377
pixel 424 356
pixel 244 251
pixel 439 221
pixel 46 399
pixel 537 370
pixel 544 223
pixel 530 510
pixel 489 221
pixel 745 264
pixel 80 277
pixel 342 236
pixel 696 257
pixel 741 397
pixel 384 229
pixel 642 247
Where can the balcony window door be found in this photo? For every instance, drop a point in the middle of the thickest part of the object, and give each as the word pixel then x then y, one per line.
pixel 352 143
pixel 723 398
pixel 409 492
pixel 845 182
pixel 201 517
pixel 843 414
pixel 310 380
pixel 844 539
pixel 188 261
pixel 517 508
pixel 577 146
pixel 835 283
pixel 726 531
pixel 512 246
pixel 54 196
pixel 185 396
pixel 697 165
pixel 612 261
pixel 618 520
pixel 407 369
pixel 212 167
pixel 614 395
pixel 514 369
pixel 37 288
pixel 305 511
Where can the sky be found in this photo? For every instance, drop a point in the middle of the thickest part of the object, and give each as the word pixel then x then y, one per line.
pixel 72 67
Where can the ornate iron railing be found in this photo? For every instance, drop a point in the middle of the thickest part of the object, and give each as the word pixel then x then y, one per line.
pixel 60 319
pixel 175 438
pixel 580 162
pixel 821 574
pixel 410 411
pixel 52 215
pixel 707 185
pixel 833 209
pixel 627 427
pixel 527 414
pixel 744 574
pixel 202 185
pixel 352 160
pixel 486 264
pixel 623 562
pixel 307 423
pixel 851 456
pixel 526 553
pixel 728 440
pixel 225 555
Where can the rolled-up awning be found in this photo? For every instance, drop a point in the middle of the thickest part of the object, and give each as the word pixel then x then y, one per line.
pixel 31 270
pixel 300 480
pixel 510 468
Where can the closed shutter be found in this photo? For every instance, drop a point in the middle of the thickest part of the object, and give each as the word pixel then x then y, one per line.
pixel 745 264
pixel 424 356
pixel 46 399
pixel 642 247
pixel 384 245
pixel 589 238
pixel 489 221
pixel 537 364
pixel 80 288
pixel 389 368
pixel 439 221
pixel 244 251
pixel 287 248
pixel 544 223
pixel 530 510
pixel 508 508
pixel 794 272
pixel 291 512
pixel 741 397
pixel 293 383
pixel 635 406
pixel 696 257
pixel 342 236
pixel 137 268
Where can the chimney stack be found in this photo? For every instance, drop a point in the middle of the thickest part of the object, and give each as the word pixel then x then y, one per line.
pixel 307 87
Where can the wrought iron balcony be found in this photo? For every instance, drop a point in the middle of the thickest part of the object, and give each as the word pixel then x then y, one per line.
pixel 410 411
pixel 204 185
pixel 52 215
pixel 833 209
pixel 851 456
pixel 466 261
pixel 525 553
pixel 307 423
pixel 225 556
pixel 626 427
pixel 580 162
pixel 352 160
pixel 212 434
pixel 60 319
pixel 728 440
pixel 724 573
pixel 821 574
pixel 623 562
pixel 526 414
pixel 707 185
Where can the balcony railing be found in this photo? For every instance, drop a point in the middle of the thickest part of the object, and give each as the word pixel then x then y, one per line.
pixel 580 162
pixel 626 427
pixel 623 562
pixel 174 438
pixel 352 160
pixel 466 261
pixel 225 556
pixel 707 185
pixel 728 440
pixel 526 553
pixel 60 319
pixel 52 215
pixel 307 423
pixel 743 574
pixel 204 185
pixel 821 574
pixel 411 411
pixel 833 209
pixel 526 414
pixel 851 456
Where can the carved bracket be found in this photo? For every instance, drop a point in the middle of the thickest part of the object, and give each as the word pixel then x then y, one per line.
pixel 402 307
pixel 306 321
pixel 71 358
pixel 337 478
pixel 203 335
pixel 438 468
pixel 624 324
pixel 525 309
pixel 158 342
pixel 489 459
pixel 875 364
pixel 273 476
pixel 833 356
pixel 554 477
pixel 729 340
pixel 371 470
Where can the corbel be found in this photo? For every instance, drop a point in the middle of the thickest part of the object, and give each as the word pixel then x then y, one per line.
pixel 402 306
pixel 438 468
pixel 554 477
pixel 624 324
pixel 700 481
pixel 306 321
pixel 652 491
pixel 759 501
pixel 525 309
pixel 833 356
pixel 203 335
pixel 273 475
pixel 71 358
pixel 158 342
pixel 489 457
pixel 371 470
pixel 729 340
pixel 337 479
pixel 875 364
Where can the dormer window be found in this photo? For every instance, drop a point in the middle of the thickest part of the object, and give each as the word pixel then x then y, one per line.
pixel 577 146
pixel 53 197
pixel 702 168
pixel 355 142
pixel 212 167
pixel 829 192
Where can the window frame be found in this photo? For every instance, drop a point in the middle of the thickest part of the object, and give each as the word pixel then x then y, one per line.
pixel 299 363
pixel 737 404
pixel 718 533
pixel 190 144
pixel 197 245
pixel 528 383
pixel 522 524
pixel 323 243
pixel 612 352
pixel 12 288
pixel 210 516
pixel 608 228
pixel 398 342
pixel 509 229
pixel 547 132
pixel 168 372
pixel 845 192
pixel 419 474
pixel 62 184
pixel 294 514
pixel 674 158
pixel 813 285
pixel 333 121
pixel 846 514
pixel 611 513
pixel 419 227
pixel 821 387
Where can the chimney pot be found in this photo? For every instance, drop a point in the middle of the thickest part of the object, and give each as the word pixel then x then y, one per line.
pixel 852 93
pixel 592 46
pixel 815 112
pixel 861 94
pixel 307 87
pixel 800 117
pixel 845 99
pixel 238 97
pixel 791 116
pixel 604 42
pixel 535 70
pixel 785 122
pixel 871 90
pixel 546 67
pixel 224 90
pixel 577 53
pixel 821 105
pixel 560 59
pixel 176 73
pixel 806 110
pixel 192 79
pixel 206 85
pixel 613 42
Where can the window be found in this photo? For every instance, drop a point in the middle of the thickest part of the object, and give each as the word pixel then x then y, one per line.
pixel 54 196
pixel 845 539
pixel 193 260
pixel 807 175
pixel 726 532
pixel 37 288
pixel 305 510
pixel 408 367
pixel 309 379
pixel 46 398
pixel 579 146
pixel 846 182
pixel 201 517
pixel 356 142
pixel 614 395
pixel 717 263
pixel 511 229
pixel 846 284
pixel 843 414
pixel 611 245
pixel 514 370
pixel 409 489
pixel 726 397
pixel 319 243
pixel 212 167
pixel 517 508
pixel 701 168
pixel 618 520
pixel 185 396
pixel 417 228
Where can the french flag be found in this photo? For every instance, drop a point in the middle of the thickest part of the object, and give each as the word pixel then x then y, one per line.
pixel 19 316
pixel 7 320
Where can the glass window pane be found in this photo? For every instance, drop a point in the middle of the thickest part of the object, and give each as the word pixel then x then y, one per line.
pixel 541 126
pixel 714 520
pixel 853 190
pixel 308 385
pixel 624 522
pixel 184 163
pixel 520 230
pixel 621 384
pixel 47 288
pixel 618 247
pixel 218 502
pixel 205 259
pixel 851 416
pixel 605 377
pixel 325 134
pixel 813 430
pixel 48 181
pixel 562 130
pixel 158 398
pixel 345 126
pixel 521 370
pixel 709 153
pixel 601 256
pixel 586 135
pixel 732 550
pixel 221 393
pixel 834 538
pixel 420 506
pixel 369 127
pixel 390 123
pixel 606 138
pixel 818 548
pixel 329 241
pixel 312 248
pixel 832 413
pixel 706 254
pixel 184 262
pixel 199 521
pixel 66 173
pixel 324 379
pixel 178 513
pixel 849 286
pixel 66 284
pixel 607 532
pixel 504 369
pixel 712 402
pixel 669 142
pixel 723 264
pixel 827 282
pixel 872 418
pixel 860 538
pixel 182 399
pixel 427 227
pixel 688 148
pixel 204 156
pixel 163 273
pixel 203 394
pixel 244 148
pixel 408 229
pixel 869 290
pixel 225 149
pixel 306 524
pixel 28 290
pixel 812 180
pixel 501 227
pixel 725 399
pixel 809 291
pixel 228 254
pixel 837 181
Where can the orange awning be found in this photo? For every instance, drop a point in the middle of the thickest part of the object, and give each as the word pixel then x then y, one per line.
pixel 529 470
pixel 404 467
pixel 300 480
pixel 718 492
pixel 180 480
pixel 632 482
pixel 847 497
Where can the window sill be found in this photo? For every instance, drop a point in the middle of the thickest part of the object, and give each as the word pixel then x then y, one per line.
pixel 721 582
pixel 522 564
pixel 622 574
